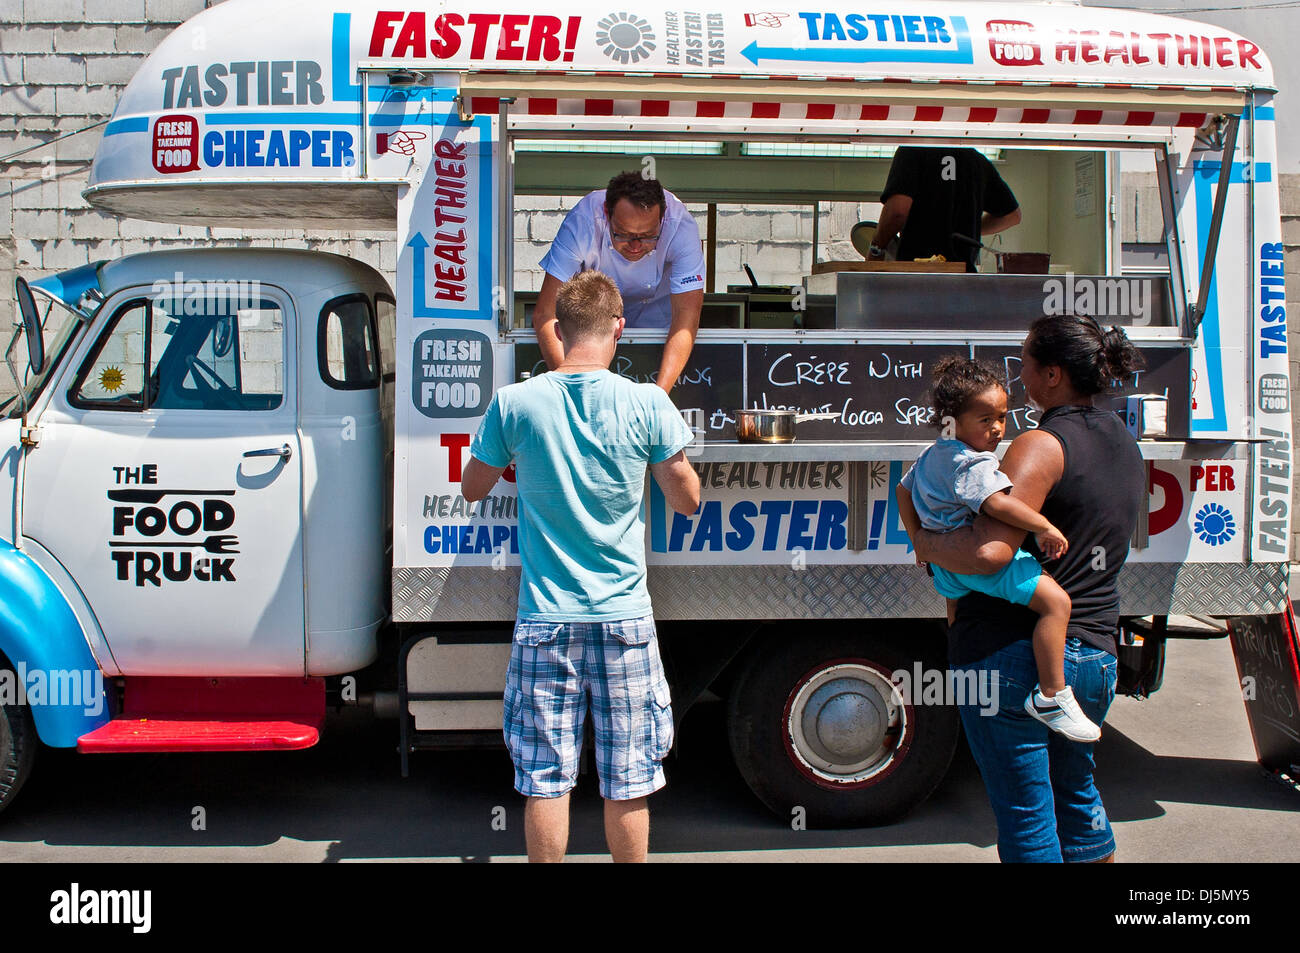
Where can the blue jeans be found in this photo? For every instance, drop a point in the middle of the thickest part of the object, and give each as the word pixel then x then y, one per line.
pixel 1039 782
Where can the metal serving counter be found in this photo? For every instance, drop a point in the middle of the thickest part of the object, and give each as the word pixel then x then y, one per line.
pixel 718 451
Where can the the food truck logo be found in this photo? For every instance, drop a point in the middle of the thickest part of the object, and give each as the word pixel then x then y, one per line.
pixel 625 37
pixel 163 535
pixel 175 144
pixel 1012 43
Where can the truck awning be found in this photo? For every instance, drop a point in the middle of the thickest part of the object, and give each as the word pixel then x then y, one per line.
pixel 819 98
pixel 241 203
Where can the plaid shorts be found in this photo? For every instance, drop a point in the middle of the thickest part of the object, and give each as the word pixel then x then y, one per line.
pixel 558 670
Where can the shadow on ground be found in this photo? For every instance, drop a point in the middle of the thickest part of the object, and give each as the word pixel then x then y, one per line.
pixel 348 793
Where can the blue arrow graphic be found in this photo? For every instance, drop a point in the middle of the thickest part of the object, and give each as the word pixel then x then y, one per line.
pixel 418 307
pixel 961 53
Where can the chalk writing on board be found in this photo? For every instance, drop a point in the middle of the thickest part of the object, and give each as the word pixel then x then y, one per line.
pixel 1259 644
pixel 623 367
pixel 859 418
pixel 762 403
pixel 887 366
pixel 711 382
pixel 1257 640
pixel 786 372
pixel 718 420
pixel 912 414
pixel 1168 372
pixel 877 392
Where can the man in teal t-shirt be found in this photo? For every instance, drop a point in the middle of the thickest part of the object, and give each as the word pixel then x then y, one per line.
pixel 581 439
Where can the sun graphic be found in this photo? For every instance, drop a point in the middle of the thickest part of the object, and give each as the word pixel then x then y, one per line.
pixel 1214 524
pixel 625 37
pixel 111 379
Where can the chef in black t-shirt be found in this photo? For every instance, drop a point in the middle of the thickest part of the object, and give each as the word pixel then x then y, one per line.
pixel 932 192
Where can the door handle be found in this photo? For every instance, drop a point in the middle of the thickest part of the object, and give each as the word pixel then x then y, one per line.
pixel 284 453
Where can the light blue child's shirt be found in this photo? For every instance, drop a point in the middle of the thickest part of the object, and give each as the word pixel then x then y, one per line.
pixel 949 483
pixel 581 444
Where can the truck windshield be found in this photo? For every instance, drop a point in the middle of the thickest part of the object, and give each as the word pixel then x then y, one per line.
pixel 57 345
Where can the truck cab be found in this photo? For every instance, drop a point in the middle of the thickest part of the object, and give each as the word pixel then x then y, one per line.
pixel 209 429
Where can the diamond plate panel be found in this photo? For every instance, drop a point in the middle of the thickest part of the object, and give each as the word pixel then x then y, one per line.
pixel 1204 588
pixel 466 594
pixel 483 594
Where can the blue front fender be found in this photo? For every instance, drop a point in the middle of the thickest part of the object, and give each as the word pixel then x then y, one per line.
pixel 43 641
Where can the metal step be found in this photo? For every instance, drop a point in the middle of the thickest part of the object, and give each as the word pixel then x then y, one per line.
pixel 213 714
pixel 1179 627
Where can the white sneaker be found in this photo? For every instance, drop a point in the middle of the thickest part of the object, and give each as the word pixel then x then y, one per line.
pixel 1061 713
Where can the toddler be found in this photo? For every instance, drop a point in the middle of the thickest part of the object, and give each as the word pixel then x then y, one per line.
pixel 958 478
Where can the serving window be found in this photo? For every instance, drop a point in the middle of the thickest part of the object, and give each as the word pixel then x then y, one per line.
pixel 1095 236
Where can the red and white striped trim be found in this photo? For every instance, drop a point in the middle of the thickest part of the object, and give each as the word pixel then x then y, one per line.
pixel 859 80
pixel 805 112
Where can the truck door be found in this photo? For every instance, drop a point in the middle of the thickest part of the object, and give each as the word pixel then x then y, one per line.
pixel 168 482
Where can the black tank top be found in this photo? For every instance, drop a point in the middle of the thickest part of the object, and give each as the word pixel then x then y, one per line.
pixel 1095 505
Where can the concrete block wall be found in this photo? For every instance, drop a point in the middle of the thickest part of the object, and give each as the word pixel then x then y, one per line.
pixel 63 64
pixel 261 344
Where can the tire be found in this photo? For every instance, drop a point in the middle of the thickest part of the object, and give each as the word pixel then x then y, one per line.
pixel 815 723
pixel 17 745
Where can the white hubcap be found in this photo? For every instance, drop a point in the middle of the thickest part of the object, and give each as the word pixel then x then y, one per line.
pixel 845 723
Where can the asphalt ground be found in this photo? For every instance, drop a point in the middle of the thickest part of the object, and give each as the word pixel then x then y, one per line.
pixel 1177 773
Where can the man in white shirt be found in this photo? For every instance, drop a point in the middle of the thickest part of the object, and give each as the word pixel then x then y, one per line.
pixel 644 238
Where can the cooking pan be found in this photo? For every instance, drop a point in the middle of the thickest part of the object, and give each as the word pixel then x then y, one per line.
pixel 754 288
pixel 1012 262
pixel 772 426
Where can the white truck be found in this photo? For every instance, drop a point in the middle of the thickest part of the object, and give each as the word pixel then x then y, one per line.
pixel 234 472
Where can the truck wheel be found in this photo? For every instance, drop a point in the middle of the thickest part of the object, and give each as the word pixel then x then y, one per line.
pixel 17 746
pixel 821 736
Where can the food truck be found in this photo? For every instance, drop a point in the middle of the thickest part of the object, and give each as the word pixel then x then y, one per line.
pixel 235 472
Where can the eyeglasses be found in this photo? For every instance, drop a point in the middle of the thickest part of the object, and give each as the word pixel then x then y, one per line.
pixel 624 239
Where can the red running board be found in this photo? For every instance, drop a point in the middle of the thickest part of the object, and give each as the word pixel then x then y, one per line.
pixel 213 714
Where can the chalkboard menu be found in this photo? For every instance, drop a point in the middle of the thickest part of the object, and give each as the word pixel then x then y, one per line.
pixel 880 391
pixel 711 380
pixel 1168 371
pixel 1265 650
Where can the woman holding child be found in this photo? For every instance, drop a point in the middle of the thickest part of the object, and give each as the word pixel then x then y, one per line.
pixel 1083 472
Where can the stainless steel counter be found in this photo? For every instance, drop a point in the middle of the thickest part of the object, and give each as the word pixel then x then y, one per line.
pixel 717 451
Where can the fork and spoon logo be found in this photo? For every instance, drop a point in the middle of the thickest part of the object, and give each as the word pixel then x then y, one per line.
pixel 142 514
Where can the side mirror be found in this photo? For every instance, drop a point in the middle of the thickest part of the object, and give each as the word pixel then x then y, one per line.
pixel 31 324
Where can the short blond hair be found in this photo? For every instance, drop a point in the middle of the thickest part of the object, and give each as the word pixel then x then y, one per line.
pixel 587 305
